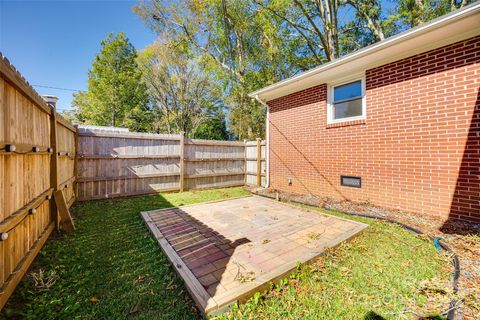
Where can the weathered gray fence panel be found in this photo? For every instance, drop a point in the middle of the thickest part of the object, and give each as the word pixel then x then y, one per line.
pixel 114 164
pixel 214 164
pixel 252 163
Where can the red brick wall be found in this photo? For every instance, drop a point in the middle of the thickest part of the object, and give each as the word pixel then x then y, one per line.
pixel 418 150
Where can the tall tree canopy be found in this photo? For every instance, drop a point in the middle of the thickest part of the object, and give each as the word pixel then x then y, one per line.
pixel 116 94
pixel 212 53
pixel 225 38
pixel 247 44
pixel 183 97
pixel 410 13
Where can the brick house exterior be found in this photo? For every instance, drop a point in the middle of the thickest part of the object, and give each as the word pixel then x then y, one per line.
pixel 417 148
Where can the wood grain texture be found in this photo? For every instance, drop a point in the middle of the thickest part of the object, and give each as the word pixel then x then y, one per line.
pixel 85 165
pixel 27 182
pixel 182 162
pixel 112 164
pixel 253 173
pixel 66 220
pixel 16 79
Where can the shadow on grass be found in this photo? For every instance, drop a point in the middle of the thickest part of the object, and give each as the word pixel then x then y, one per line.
pixel 110 268
pixel 371 315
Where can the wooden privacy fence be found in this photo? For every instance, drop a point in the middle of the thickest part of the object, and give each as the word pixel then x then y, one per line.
pixel 46 164
pixel 255 152
pixel 37 149
pixel 115 164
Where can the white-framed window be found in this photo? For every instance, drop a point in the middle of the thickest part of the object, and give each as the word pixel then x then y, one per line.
pixel 346 100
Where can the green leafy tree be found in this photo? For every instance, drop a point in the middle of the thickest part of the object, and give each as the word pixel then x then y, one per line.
pixel 214 127
pixel 411 13
pixel 247 44
pixel 183 96
pixel 229 44
pixel 116 95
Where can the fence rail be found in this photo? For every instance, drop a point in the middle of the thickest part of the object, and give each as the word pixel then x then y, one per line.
pixel 34 142
pixel 46 164
pixel 255 152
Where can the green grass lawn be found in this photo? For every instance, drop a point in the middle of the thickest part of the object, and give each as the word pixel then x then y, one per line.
pixel 111 268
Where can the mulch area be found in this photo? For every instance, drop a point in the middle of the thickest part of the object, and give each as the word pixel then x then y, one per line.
pixel 462 238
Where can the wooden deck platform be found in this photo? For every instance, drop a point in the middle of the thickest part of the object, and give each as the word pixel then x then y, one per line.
pixel 226 251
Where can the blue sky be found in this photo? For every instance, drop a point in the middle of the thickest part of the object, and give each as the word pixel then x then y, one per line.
pixel 53 43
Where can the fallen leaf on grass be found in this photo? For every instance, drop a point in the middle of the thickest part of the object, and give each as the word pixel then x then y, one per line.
pixel 171 286
pixel 345 271
pixel 318 266
pixel 134 309
pixel 293 282
pixel 361 247
pixel 139 280
pixel 469 242
pixel 433 286
pixel 93 299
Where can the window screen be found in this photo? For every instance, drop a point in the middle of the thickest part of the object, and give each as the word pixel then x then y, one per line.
pixel 347 100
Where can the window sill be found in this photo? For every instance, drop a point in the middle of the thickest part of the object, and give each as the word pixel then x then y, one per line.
pixel 347 123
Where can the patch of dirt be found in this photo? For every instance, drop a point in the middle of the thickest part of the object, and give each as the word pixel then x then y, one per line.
pixel 462 238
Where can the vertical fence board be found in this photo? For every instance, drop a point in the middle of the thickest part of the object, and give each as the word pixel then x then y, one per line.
pixel 91 164
pixel 182 162
pixel 26 180
pixel 115 164
pixel 252 165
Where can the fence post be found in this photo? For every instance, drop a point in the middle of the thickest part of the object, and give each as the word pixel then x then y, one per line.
pixel 53 163
pixel 58 205
pixel 75 163
pixel 259 162
pixel 245 176
pixel 182 161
